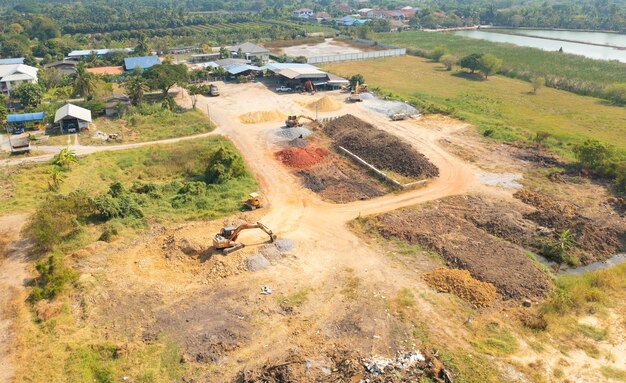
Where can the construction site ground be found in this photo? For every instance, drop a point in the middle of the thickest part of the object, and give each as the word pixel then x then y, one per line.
pixel 341 294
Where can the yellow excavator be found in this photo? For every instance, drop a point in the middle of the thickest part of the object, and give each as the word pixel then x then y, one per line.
pixel 226 239
pixel 253 202
pixel 294 121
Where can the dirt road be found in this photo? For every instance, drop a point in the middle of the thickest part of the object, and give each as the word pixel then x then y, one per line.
pixel 13 272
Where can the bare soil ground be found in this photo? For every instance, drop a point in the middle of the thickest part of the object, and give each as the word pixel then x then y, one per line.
pixel 327 47
pixel 340 302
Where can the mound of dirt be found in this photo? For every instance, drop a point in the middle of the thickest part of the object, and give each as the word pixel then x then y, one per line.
pixel 596 242
pixel 381 149
pixel 301 157
pixel 340 181
pixel 461 284
pixel 464 246
pixel 261 116
pixel 347 365
pixel 325 104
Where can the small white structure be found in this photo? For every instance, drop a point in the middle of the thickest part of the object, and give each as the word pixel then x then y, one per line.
pixel 72 118
pixel 11 76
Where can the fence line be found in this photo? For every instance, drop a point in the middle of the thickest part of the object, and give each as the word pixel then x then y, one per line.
pixel 357 56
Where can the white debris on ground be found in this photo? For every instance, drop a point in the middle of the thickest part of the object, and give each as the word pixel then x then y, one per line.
pixel 503 180
pixel 388 108
pixel 100 136
pixel 406 360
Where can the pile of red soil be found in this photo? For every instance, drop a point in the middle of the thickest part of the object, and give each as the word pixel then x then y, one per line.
pixel 301 157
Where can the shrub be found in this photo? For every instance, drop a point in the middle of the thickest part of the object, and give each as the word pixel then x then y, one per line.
pixel 52 279
pixel 58 218
pixel 224 165
pixel 117 203
pixel 438 52
pixel 616 93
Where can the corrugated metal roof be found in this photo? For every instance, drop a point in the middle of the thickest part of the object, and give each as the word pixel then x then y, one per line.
pixel 146 62
pixel 98 52
pixel 70 110
pixel 293 73
pixel 240 68
pixel 8 70
pixel 26 117
pixel 277 67
pixel 248 48
pixel 18 60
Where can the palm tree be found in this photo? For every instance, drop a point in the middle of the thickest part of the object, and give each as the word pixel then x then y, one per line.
pixel 84 82
pixel 65 158
pixel 136 87
pixel 142 48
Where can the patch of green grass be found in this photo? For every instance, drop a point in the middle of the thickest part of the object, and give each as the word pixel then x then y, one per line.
pixel 167 167
pixel 518 61
pixel 296 299
pixel 405 298
pixel 471 368
pixel 576 294
pixel 495 341
pixel 500 107
pixel 613 373
pixel 351 287
pixel 592 332
pixel 537 346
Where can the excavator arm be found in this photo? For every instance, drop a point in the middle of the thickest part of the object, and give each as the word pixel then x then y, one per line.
pixel 249 226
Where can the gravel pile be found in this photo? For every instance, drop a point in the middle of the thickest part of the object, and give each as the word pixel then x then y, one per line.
pixel 284 245
pixel 292 133
pixel 390 107
pixel 297 143
pixel 257 262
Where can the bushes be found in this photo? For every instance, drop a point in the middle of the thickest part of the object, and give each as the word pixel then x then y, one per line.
pixel 117 203
pixel 52 279
pixel 616 93
pixel 59 218
pixel 604 160
pixel 224 164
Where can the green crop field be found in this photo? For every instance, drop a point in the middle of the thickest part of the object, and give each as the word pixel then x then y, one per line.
pixel 503 105
pixel 518 61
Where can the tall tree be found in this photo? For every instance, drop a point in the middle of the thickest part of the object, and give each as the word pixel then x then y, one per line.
pixel 29 94
pixel 471 62
pixel 165 76
pixel 84 83
pixel 489 64
pixel 142 48
pixel 136 87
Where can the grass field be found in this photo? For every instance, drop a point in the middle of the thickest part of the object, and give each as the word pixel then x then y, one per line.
pixel 139 127
pixel 503 105
pixel 519 61
pixel 168 167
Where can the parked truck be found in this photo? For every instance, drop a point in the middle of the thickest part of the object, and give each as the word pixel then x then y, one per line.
pixel 213 90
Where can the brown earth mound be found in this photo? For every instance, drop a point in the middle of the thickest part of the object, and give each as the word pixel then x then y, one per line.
pixel 261 116
pixel 465 246
pixel 596 242
pixel 301 157
pixel 324 104
pixel 381 149
pixel 461 284
pixel 340 181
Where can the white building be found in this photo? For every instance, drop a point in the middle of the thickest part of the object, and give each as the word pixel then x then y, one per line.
pixel 303 13
pixel 72 118
pixel 12 75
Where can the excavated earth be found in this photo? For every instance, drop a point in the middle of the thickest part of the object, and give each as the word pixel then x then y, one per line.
pixel 381 149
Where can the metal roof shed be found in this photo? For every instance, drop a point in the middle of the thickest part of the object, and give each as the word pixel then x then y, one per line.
pixel 72 118
pixel 26 117
pixel 19 60
pixel 130 63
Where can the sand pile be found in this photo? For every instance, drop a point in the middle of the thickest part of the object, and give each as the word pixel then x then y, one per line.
pixel 301 157
pixel 381 149
pixel 461 284
pixel 325 104
pixel 261 116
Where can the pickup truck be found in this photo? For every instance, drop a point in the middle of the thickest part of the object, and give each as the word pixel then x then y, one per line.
pixel 283 88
